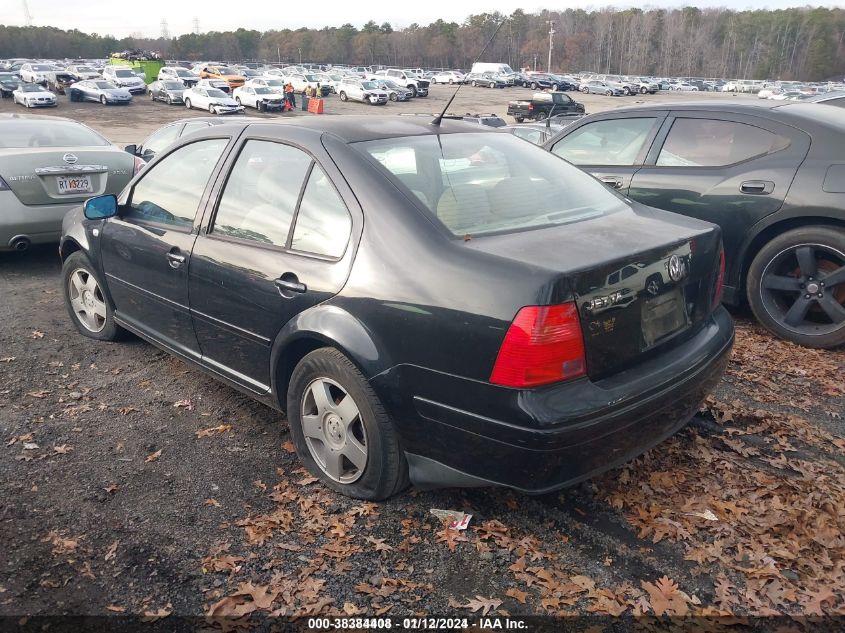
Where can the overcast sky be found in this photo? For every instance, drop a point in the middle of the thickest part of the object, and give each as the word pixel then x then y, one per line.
pixel 123 18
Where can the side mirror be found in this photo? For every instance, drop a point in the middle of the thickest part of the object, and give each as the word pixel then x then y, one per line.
pixel 100 207
pixel 132 149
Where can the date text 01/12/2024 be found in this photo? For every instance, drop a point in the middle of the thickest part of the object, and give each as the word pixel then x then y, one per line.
pixel 415 624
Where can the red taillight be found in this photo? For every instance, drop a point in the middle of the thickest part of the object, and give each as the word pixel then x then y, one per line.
pixel 140 163
pixel 720 280
pixel 530 107
pixel 544 344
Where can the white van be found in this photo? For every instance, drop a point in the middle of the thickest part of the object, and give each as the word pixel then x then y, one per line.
pixel 496 69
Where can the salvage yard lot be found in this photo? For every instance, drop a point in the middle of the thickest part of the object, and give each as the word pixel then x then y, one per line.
pixel 136 484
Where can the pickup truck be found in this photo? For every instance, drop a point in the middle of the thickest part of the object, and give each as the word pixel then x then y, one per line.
pixel 542 104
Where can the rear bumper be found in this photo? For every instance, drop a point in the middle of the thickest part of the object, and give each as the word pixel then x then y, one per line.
pixel 477 434
pixel 42 224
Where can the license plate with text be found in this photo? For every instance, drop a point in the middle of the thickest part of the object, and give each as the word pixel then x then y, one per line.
pixel 75 184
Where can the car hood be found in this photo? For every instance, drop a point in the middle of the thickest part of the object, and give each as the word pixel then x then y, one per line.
pixel 40 93
pixel 115 92
pixel 224 102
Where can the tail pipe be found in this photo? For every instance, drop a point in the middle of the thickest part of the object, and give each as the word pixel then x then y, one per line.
pixel 20 242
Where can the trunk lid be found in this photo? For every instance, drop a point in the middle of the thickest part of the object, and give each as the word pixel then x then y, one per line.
pixel 640 279
pixel 62 175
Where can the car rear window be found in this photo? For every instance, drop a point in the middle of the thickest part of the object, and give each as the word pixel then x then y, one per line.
pixel 477 183
pixel 44 133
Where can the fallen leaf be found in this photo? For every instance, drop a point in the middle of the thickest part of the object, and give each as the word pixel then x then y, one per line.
pixel 187 403
pixel 223 428
pixel 116 608
pixel 516 594
pixel 36 334
pixel 42 393
pixel 64 449
pixel 8 359
pixel 111 488
pixel 111 551
pixel 153 456
pixel 289 447
pixel 154 616
pixel 485 605
pixel 212 502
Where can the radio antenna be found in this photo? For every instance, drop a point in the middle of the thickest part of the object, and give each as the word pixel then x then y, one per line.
pixel 440 116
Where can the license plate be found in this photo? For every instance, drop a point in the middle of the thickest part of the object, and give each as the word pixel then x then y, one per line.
pixel 662 316
pixel 74 184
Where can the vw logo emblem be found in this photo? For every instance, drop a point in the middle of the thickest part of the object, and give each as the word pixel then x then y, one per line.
pixel 69 158
pixel 677 270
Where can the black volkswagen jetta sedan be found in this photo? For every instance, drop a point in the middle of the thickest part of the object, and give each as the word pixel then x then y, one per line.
pixel 772 176
pixel 443 303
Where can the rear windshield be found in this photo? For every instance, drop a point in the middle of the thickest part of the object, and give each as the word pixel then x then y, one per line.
pixel 490 183
pixel 43 133
pixel 174 85
pixel 104 85
pixel 184 73
pixel 124 73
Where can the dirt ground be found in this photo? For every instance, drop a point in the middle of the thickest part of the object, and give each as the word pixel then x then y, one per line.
pixel 132 124
pixel 133 483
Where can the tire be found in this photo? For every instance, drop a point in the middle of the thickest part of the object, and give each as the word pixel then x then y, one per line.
pixel 211 109
pixel 643 90
pixel 393 96
pixel 413 90
pixel 585 90
pixel 79 278
pixel 474 84
pixel 451 81
pixel 608 93
pixel 785 280
pixel 169 100
pixel 152 96
pixel 343 96
pixel 519 119
pixel 541 116
pixel 381 470
pixel 555 87
pixel 533 85
pixel 103 99
pixel 188 103
pixel 238 101
pixel 626 91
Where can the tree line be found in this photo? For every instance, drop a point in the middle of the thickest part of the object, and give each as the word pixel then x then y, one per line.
pixel 806 44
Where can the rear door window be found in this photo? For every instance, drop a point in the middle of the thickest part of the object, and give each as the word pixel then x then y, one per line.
pixel 262 192
pixel 714 143
pixel 616 142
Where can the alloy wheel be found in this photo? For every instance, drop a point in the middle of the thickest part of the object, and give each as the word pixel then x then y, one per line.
pixel 333 430
pixel 87 300
pixel 803 288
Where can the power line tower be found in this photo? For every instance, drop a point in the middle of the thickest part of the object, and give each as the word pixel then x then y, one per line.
pixel 27 16
pixel 165 32
pixel 196 25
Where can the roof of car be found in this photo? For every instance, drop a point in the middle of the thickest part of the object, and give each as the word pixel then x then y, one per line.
pixel 355 128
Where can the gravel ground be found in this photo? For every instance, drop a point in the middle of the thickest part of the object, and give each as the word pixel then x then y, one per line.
pixel 134 483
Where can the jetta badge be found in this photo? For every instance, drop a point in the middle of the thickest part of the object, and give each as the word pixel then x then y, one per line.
pixel 70 159
pixel 677 269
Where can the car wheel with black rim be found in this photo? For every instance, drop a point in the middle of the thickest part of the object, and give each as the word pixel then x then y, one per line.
pixel 340 429
pixel 796 286
pixel 89 309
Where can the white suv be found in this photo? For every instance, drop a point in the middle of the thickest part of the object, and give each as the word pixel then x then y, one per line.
pixel 406 78
pixel 361 90
pixel 178 73
pixel 123 77
pixel 35 73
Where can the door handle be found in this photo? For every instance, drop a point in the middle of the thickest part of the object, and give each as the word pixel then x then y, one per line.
pixel 613 181
pixel 175 259
pixel 289 283
pixel 757 187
